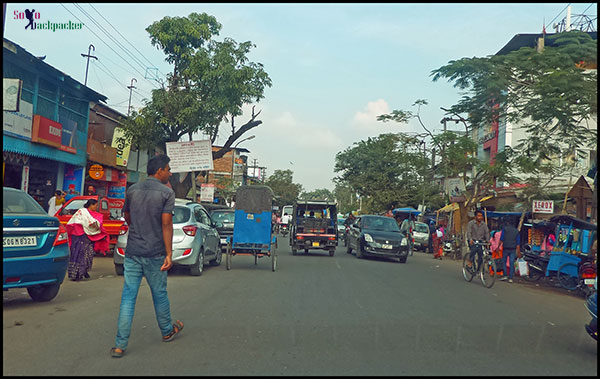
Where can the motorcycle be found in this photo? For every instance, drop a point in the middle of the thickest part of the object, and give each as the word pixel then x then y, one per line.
pixel 591 304
pixel 284 229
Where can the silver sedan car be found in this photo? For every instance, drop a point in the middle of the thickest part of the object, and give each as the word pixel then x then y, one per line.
pixel 195 239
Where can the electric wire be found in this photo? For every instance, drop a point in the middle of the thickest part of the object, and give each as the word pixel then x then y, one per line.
pixel 132 45
pixel 135 59
pixel 559 13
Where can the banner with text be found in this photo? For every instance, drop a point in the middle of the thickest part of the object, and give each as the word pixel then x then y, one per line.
pixel 190 156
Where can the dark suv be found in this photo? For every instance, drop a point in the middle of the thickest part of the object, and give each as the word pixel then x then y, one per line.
pixel 224 218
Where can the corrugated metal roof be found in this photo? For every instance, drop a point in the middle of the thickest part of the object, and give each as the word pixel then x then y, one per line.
pixel 16 145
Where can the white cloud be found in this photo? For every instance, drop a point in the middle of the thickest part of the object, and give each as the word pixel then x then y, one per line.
pixel 367 119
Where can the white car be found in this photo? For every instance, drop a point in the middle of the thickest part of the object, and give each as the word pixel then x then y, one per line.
pixel 195 239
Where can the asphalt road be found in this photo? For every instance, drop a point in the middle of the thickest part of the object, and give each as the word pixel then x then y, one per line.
pixel 315 315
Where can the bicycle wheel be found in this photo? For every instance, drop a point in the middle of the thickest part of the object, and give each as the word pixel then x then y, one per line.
pixel 468 272
pixel 487 273
pixel 566 280
pixel 535 272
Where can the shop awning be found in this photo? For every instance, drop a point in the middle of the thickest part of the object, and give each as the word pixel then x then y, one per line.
pixel 448 208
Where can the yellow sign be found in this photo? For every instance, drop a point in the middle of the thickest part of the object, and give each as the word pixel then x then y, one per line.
pixel 122 144
pixel 96 171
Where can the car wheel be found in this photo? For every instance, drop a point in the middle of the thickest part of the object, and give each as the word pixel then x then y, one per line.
pixel 218 258
pixel 44 293
pixel 197 268
pixel 119 269
pixel 359 253
pixel 331 252
pixel 294 251
pixel 402 259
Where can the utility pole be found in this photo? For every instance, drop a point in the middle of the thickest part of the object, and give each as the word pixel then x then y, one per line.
pixel 88 61
pixel 131 87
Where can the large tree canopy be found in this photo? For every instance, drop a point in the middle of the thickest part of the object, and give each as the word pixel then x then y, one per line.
pixel 285 190
pixel 550 93
pixel 210 82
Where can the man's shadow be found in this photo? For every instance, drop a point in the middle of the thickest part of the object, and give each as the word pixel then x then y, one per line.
pixel 29 15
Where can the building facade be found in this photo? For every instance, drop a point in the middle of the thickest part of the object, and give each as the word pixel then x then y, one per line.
pixel 45 140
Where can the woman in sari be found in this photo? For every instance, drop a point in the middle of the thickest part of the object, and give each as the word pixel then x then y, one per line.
pixel 86 235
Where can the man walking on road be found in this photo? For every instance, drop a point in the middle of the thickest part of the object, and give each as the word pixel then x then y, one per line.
pixel 509 240
pixel 148 211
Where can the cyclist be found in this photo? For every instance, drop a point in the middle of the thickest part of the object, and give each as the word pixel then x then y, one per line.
pixel 477 230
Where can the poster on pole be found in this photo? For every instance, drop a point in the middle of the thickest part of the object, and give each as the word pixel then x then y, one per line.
pixel 207 192
pixel 543 206
pixel 190 156
pixel 455 188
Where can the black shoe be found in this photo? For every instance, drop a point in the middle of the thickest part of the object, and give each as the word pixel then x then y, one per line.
pixel 86 275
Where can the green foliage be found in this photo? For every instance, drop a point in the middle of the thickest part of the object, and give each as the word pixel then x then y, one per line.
pixel 546 91
pixel 318 194
pixel 387 171
pixel 284 189
pixel 211 81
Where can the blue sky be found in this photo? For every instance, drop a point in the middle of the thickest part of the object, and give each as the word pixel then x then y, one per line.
pixel 334 67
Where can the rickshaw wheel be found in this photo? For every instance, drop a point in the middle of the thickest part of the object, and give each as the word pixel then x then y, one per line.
pixel 273 261
pixel 255 258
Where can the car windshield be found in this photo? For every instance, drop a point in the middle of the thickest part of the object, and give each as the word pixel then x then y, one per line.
pixel 19 202
pixel 224 217
pixel 73 206
pixel 181 214
pixel 421 228
pixel 385 224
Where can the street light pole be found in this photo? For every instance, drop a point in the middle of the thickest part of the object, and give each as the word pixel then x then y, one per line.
pixel 233 155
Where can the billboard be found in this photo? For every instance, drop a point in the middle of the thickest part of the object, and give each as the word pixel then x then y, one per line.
pixel 190 156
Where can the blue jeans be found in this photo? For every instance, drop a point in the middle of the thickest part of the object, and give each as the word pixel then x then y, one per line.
pixel 134 269
pixel 511 255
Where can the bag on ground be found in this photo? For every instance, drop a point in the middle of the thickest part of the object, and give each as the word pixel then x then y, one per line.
pixel 523 267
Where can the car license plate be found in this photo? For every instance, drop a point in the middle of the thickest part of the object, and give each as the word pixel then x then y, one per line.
pixel 316 244
pixel 22 241
pixel 589 282
pixel 387 246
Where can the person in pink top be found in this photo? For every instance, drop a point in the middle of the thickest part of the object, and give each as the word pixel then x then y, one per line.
pixel 86 235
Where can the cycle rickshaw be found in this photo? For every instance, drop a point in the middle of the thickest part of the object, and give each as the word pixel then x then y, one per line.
pixel 252 229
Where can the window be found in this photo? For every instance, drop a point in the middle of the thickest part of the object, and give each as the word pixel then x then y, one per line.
pixel 201 216
pixel 181 215
pixel 47 90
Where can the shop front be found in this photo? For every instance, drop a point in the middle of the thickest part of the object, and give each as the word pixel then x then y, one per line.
pixel 104 176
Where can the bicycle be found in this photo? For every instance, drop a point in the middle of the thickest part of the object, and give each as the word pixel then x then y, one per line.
pixel 487 271
pixel 585 271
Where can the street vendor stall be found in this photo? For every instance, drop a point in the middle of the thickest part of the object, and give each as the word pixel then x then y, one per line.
pixel 574 238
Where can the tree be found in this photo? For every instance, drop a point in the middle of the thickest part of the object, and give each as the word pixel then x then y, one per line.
pixel 284 189
pixel 318 194
pixel 549 92
pixel 386 171
pixel 210 82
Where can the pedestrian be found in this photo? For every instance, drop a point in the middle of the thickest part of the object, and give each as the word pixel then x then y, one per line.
pixel 86 236
pixel 431 235
pixel 91 191
pixel 510 239
pixel 54 202
pixel 148 210
pixel 477 230
pixel 438 250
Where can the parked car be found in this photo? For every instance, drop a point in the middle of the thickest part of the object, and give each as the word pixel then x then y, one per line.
pixel 224 218
pixel 35 252
pixel 195 239
pixel 112 220
pixel 421 236
pixel 373 235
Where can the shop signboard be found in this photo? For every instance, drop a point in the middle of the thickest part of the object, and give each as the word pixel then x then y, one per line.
pixel 101 153
pixel 25 178
pixel 96 171
pixel 543 206
pixel 11 94
pixel 190 156
pixel 207 192
pixel 18 124
pixel 122 145
pixel 117 190
pixel 69 128
pixel 46 131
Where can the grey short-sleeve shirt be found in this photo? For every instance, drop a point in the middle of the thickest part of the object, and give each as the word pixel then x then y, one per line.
pixel 146 202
